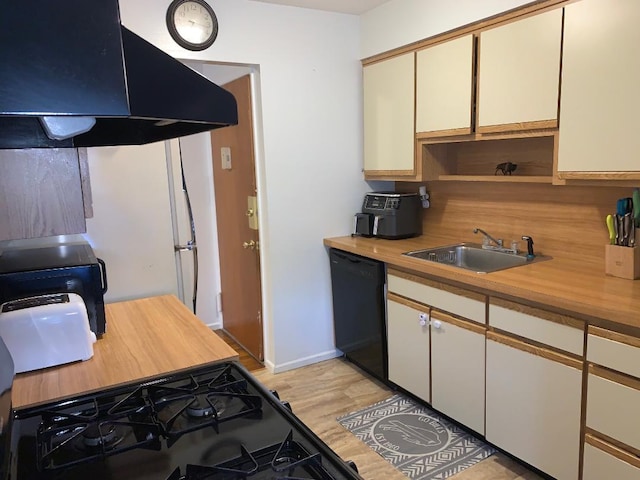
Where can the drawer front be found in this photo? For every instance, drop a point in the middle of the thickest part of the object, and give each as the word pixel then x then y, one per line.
pixel 612 354
pixel 599 465
pixel 551 333
pixel 460 305
pixel 611 410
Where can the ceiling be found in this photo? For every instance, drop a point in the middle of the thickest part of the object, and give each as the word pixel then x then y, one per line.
pixel 354 7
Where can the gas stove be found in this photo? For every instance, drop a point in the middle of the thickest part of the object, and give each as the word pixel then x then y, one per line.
pixel 212 423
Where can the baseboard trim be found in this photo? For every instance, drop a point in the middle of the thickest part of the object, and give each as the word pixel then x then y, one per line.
pixel 302 362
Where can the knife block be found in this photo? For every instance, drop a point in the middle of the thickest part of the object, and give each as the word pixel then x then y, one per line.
pixel 623 262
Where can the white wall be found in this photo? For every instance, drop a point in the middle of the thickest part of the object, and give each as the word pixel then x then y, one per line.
pixel 310 159
pixel 401 22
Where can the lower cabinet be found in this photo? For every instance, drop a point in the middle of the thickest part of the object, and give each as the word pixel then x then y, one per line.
pixel 603 460
pixel 457 369
pixel 408 345
pixel 533 405
pixel 612 439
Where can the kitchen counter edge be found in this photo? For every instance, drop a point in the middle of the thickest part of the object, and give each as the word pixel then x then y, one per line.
pixel 576 289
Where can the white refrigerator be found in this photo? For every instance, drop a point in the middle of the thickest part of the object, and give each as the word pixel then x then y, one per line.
pixel 141 225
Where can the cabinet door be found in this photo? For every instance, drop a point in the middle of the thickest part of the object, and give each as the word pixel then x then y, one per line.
pixel 600 99
pixel 42 193
pixel 518 74
pixel 389 117
pixel 457 369
pixel 533 405
pixel 408 348
pixel 444 82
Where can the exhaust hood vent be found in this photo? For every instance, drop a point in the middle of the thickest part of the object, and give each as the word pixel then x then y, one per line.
pixel 72 76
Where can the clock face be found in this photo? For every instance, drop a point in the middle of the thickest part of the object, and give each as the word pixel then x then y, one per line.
pixel 192 23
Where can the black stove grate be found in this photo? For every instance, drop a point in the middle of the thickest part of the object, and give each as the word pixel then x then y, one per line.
pixel 101 426
pixel 288 460
pixel 202 401
pixel 211 423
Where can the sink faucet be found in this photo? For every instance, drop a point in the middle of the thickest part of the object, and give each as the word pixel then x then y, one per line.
pixel 529 240
pixel 488 237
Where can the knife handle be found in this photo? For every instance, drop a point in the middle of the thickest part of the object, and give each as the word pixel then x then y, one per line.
pixel 612 229
pixel 636 206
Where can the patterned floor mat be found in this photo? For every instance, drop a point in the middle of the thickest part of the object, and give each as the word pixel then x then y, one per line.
pixel 416 440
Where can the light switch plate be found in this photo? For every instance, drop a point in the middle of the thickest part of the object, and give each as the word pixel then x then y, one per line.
pixel 225 155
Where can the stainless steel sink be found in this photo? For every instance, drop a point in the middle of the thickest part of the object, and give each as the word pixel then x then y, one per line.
pixel 472 256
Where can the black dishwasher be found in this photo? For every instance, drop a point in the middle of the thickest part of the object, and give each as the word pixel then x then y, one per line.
pixel 358 311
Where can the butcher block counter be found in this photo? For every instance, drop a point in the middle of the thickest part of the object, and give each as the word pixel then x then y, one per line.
pixel 145 338
pixel 582 290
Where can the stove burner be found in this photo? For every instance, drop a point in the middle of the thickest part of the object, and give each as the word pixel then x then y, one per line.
pixel 197 410
pixel 105 436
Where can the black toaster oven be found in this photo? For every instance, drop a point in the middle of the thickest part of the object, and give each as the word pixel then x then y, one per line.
pixel 61 268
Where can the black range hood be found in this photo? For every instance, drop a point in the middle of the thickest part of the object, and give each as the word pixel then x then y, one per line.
pixel 68 62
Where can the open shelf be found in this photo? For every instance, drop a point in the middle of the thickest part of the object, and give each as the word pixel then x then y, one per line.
pixel 497 178
pixel 476 159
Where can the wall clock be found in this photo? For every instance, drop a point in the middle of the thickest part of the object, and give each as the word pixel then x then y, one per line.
pixel 192 24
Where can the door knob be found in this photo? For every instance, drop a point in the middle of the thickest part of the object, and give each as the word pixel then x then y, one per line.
pixel 249 245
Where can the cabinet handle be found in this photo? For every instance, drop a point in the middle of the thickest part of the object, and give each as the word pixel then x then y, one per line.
pixel 424 317
pixel 436 324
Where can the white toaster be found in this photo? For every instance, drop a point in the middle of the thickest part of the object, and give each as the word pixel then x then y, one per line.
pixel 46 330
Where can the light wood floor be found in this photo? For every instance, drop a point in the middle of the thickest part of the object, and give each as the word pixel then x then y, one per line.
pixel 322 392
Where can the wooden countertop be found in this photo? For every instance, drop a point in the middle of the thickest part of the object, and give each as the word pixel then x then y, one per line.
pixel 558 284
pixel 145 338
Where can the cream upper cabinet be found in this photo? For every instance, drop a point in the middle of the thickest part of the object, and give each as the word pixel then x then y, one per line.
pixel 600 98
pixel 444 83
pixel 518 74
pixel 389 102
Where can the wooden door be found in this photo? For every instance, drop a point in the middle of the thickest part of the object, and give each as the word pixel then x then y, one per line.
pixel 235 186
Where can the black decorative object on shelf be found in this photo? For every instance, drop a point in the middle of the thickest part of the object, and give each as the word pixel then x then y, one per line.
pixel 506 168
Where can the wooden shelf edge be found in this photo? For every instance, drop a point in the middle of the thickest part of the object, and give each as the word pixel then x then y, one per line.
pixel 497 178
pixel 477 137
